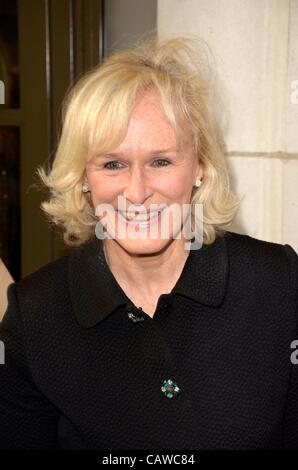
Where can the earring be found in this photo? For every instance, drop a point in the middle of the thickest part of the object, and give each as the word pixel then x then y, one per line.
pixel 197 183
pixel 85 188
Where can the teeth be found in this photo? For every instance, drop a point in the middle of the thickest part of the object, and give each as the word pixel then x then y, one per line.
pixel 140 217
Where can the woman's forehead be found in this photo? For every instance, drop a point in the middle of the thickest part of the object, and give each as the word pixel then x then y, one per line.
pixel 147 127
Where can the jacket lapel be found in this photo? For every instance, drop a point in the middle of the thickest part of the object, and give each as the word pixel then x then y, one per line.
pixel 95 292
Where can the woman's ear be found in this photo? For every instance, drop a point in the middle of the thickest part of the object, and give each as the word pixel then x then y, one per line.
pixel 200 173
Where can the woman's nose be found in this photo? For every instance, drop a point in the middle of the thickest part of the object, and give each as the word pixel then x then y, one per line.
pixel 137 187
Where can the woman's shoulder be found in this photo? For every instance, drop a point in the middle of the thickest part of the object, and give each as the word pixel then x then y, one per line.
pixel 249 244
pixel 39 289
pixel 47 278
pixel 43 296
pixel 49 286
pixel 263 258
pixel 47 282
pixel 52 276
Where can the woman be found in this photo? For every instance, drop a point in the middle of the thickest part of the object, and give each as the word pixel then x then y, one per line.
pixel 141 341
pixel 5 280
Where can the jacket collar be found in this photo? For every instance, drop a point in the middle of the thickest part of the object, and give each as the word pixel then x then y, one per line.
pixel 95 293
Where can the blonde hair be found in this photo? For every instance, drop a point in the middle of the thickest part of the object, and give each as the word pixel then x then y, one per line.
pixel 95 119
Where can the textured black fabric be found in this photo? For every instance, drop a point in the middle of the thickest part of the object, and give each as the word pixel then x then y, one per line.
pixel 81 373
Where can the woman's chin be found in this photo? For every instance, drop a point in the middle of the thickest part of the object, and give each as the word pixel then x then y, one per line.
pixel 143 246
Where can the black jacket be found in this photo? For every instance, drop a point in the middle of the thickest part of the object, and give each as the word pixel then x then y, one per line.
pixel 84 367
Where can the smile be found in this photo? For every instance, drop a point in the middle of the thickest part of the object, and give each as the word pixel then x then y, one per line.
pixel 143 218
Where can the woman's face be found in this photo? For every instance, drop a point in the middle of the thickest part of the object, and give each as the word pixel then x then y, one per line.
pixel 151 171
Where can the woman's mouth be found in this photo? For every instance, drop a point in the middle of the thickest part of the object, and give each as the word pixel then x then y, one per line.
pixel 141 220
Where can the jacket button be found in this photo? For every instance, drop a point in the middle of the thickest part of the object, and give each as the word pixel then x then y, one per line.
pixel 135 317
pixel 169 388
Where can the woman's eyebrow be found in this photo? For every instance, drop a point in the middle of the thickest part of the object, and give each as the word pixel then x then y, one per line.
pixel 153 152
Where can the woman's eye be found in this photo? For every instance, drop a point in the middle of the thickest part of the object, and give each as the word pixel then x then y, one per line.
pixel 164 161
pixel 115 167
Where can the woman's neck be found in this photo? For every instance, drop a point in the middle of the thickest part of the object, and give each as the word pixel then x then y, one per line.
pixel 148 274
